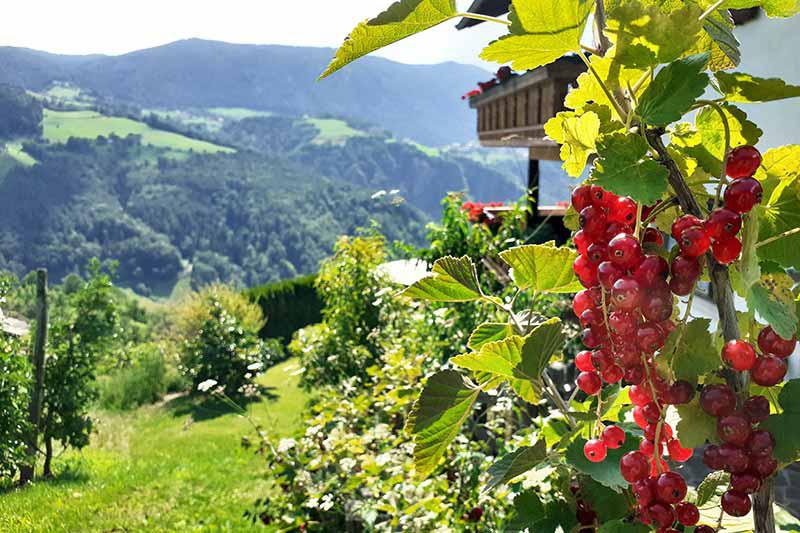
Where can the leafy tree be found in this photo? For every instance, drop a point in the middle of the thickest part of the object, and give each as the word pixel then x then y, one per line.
pixel 20 113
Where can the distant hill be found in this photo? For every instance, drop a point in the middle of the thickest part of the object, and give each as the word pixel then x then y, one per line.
pixel 420 102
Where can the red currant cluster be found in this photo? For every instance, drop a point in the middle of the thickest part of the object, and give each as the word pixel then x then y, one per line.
pixel 767 369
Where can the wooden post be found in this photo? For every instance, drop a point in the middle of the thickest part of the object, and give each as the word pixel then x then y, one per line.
pixel 37 391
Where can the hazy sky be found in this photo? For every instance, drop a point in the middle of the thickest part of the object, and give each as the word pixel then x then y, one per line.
pixel 112 27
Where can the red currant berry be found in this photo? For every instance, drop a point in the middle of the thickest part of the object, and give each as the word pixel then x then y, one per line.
pixel 651 269
pixel 768 370
pixel 593 221
pixel 601 359
pixel 643 492
pixel 773 344
pixel 589 382
pixel 756 409
pixel 614 229
pixel 694 242
pixel 650 337
pixel 688 514
pixel 686 268
pixel 586 271
pixel 647 447
pixel 581 242
pixel 639 395
pixel 681 287
pixel 745 483
pixel 712 457
pixel 623 210
pixel 624 250
pixel 722 224
pixel 683 223
pixel 634 375
pixel 638 416
pixel 727 251
pixel 625 294
pixel 583 361
pixel 734 459
pixel 734 429
pixel 739 354
pixel 677 452
pixel 634 466
pixel 662 514
pixel 591 338
pixel 608 273
pixel 613 374
pixel 586 517
pixel 651 412
pixel 653 237
pixel 764 467
pixel 581 197
pixel 681 392
pixel 596 253
pixel 735 503
pixel 742 161
pixel 614 437
pixel 742 194
pixel 599 196
pixel 760 444
pixel 582 301
pixel 718 400
pixel 657 307
pixel 622 323
pixel 628 355
pixel 595 450
pixel 704 529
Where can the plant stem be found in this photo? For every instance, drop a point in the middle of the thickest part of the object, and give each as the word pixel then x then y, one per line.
pixel 774 238
pixel 618 108
pixel 559 401
pixel 727 128
pixel 601 41
pixel 711 9
pixel 663 206
pixel 484 18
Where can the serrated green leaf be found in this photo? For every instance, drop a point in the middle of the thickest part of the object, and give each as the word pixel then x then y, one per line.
pixel 647 34
pixel 531 514
pixel 674 90
pixel 690 350
pixel 489 332
pixel 720 41
pixel 694 426
pixel 451 280
pixel 785 427
pixel 402 19
pixel 528 508
pixel 545 269
pixel 606 472
pixel 608 504
pixel 780 211
pixel 516 463
pixel 778 314
pixel 707 488
pixel 541 32
pixel 741 87
pixel 781 8
pixel 624 168
pixel 437 416
pixel 539 347
pixel 499 358
pixel 623 526
pixel 576 134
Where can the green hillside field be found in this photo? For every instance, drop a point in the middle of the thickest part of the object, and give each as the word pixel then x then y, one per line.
pixel 61 125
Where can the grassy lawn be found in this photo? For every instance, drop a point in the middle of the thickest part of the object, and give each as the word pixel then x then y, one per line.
pixel 332 130
pixel 175 467
pixel 238 113
pixel 61 125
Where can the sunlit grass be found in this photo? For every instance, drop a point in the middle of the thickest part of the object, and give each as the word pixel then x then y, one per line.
pixel 175 467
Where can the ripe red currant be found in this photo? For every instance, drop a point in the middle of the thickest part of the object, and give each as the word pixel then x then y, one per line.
pixel 683 223
pixel 639 395
pixel 583 361
pixel 601 359
pixel 653 237
pixel 742 194
pixel 657 307
pixel 613 374
pixel 680 286
pixel 614 437
pixel 622 323
pixel 586 271
pixel 739 354
pixel 694 242
pixel 734 459
pixel 768 370
pixel 595 450
pixel 634 466
pixel 745 483
pixel 643 491
pixel 593 221
pixel 723 224
pixel 625 294
pixel 662 514
pixel 727 251
pixel 718 400
pixel 688 514
pixel 686 268
pixel 596 253
pixel 650 337
pixel 651 269
pixel 764 467
pixel 712 457
pixel 756 409
pixel 622 209
pixel 634 375
pixel 679 393
pixel 734 429
pixel 742 161
pixel 581 241
pixel 773 344
pixel 589 382
pixel 735 503
pixel 670 487
pixel 581 197
pixel 608 273
pixel 704 529
pixel 624 250
pixel 760 444
pixel 677 452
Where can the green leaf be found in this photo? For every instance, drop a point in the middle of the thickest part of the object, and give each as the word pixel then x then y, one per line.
pixel 451 280
pixel 539 347
pixel 740 87
pixel 516 463
pixel 528 509
pixel 608 504
pixel 489 332
pixel 606 472
pixel 779 315
pixel 402 19
pixel 720 41
pixel 691 351
pixel 707 488
pixel 437 416
pixel 576 134
pixel 541 32
pixel 694 426
pixel 780 212
pixel 499 358
pixel 624 168
pixel 675 89
pixel 712 134
pixel 781 8
pixel 785 427
pixel 623 526
pixel 648 35
pixel 545 269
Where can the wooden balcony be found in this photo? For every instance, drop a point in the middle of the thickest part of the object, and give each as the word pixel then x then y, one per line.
pixel 513 114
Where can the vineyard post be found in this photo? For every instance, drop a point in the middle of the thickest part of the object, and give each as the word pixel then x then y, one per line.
pixel 37 390
pixel 722 293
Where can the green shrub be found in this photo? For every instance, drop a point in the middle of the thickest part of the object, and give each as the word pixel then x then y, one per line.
pixel 14 382
pixel 288 306
pixel 143 382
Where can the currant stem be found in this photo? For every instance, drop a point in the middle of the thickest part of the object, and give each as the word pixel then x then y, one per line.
pixel 559 401
pixel 711 9
pixel 617 107
pixel 727 128
pixel 774 238
pixel 485 18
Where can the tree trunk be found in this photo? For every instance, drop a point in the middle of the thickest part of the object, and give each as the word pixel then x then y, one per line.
pixel 729 325
pixel 47 470
pixel 27 471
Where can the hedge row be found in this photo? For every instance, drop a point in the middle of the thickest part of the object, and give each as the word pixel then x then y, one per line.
pixel 288 306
